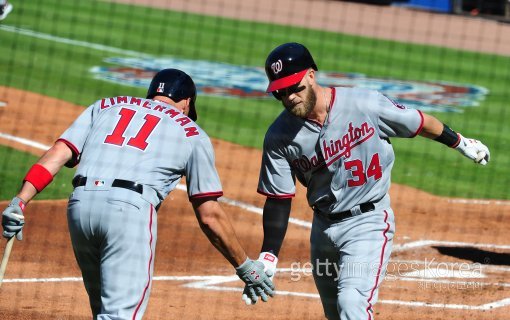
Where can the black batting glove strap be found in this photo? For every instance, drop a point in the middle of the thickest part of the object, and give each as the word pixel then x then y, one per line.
pixel 448 137
pixel 13 219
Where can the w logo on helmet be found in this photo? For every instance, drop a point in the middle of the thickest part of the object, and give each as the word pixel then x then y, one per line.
pixel 161 87
pixel 277 66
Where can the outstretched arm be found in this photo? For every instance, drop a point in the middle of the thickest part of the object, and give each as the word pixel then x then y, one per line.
pixel 38 177
pixel 432 127
pixel 215 224
pixel 45 168
pixel 470 148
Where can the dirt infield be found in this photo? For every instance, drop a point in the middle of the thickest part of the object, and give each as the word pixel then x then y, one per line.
pixel 436 239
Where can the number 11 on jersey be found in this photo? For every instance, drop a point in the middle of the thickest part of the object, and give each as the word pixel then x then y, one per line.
pixel 139 141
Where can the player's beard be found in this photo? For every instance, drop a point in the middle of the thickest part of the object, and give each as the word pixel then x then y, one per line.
pixel 303 109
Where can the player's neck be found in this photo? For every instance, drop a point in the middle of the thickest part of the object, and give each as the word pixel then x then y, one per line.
pixel 321 109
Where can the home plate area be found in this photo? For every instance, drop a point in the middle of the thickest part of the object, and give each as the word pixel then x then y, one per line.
pixel 429 274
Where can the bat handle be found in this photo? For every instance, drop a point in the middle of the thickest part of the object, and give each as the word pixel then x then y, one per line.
pixel 5 258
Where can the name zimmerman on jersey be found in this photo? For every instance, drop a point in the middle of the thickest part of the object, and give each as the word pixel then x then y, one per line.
pixel 174 114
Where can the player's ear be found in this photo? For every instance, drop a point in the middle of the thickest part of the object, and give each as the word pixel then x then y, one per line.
pixel 187 106
pixel 184 105
pixel 310 76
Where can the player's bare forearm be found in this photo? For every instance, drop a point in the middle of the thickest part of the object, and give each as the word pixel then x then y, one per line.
pixel 432 127
pixel 216 225
pixel 55 158
pixel 275 221
pixel 52 160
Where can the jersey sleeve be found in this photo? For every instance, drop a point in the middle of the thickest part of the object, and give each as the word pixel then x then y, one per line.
pixel 276 179
pixel 76 135
pixel 202 177
pixel 396 120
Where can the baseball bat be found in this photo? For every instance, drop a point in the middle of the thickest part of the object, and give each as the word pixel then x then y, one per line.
pixel 5 258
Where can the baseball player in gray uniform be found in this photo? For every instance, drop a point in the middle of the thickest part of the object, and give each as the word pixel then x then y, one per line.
pixel 336 142
pixel 132 152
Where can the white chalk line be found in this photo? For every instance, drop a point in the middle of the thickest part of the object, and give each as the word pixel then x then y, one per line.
pixel 427 243
pixel 483 307
pixel 481 201
pixel 85 44
pixel 212 282
pixel 24 141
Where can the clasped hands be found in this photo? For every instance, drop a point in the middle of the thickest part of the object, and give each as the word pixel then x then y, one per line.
pixel 257 276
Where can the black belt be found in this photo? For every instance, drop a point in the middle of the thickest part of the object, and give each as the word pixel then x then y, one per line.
pixel 363 208
pixel 80 181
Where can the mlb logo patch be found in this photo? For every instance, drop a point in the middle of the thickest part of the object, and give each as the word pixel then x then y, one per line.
pixel 161 87
pixel 99 183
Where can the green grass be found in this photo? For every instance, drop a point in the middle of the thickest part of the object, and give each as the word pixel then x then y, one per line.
pixel 13 168
pixel 62 70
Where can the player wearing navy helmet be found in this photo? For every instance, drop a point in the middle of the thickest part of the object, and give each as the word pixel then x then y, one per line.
pixel 130 153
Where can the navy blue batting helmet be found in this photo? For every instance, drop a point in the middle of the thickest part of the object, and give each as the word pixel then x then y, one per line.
pixel 176 85
pixel 287 64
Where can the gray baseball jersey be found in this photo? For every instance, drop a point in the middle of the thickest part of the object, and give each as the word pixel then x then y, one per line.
pixel 146 141
pixel 113 228
pixel 345 165
pixel 345 162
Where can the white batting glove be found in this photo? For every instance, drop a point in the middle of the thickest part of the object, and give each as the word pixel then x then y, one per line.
pixel 269 260
pixel 474 150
